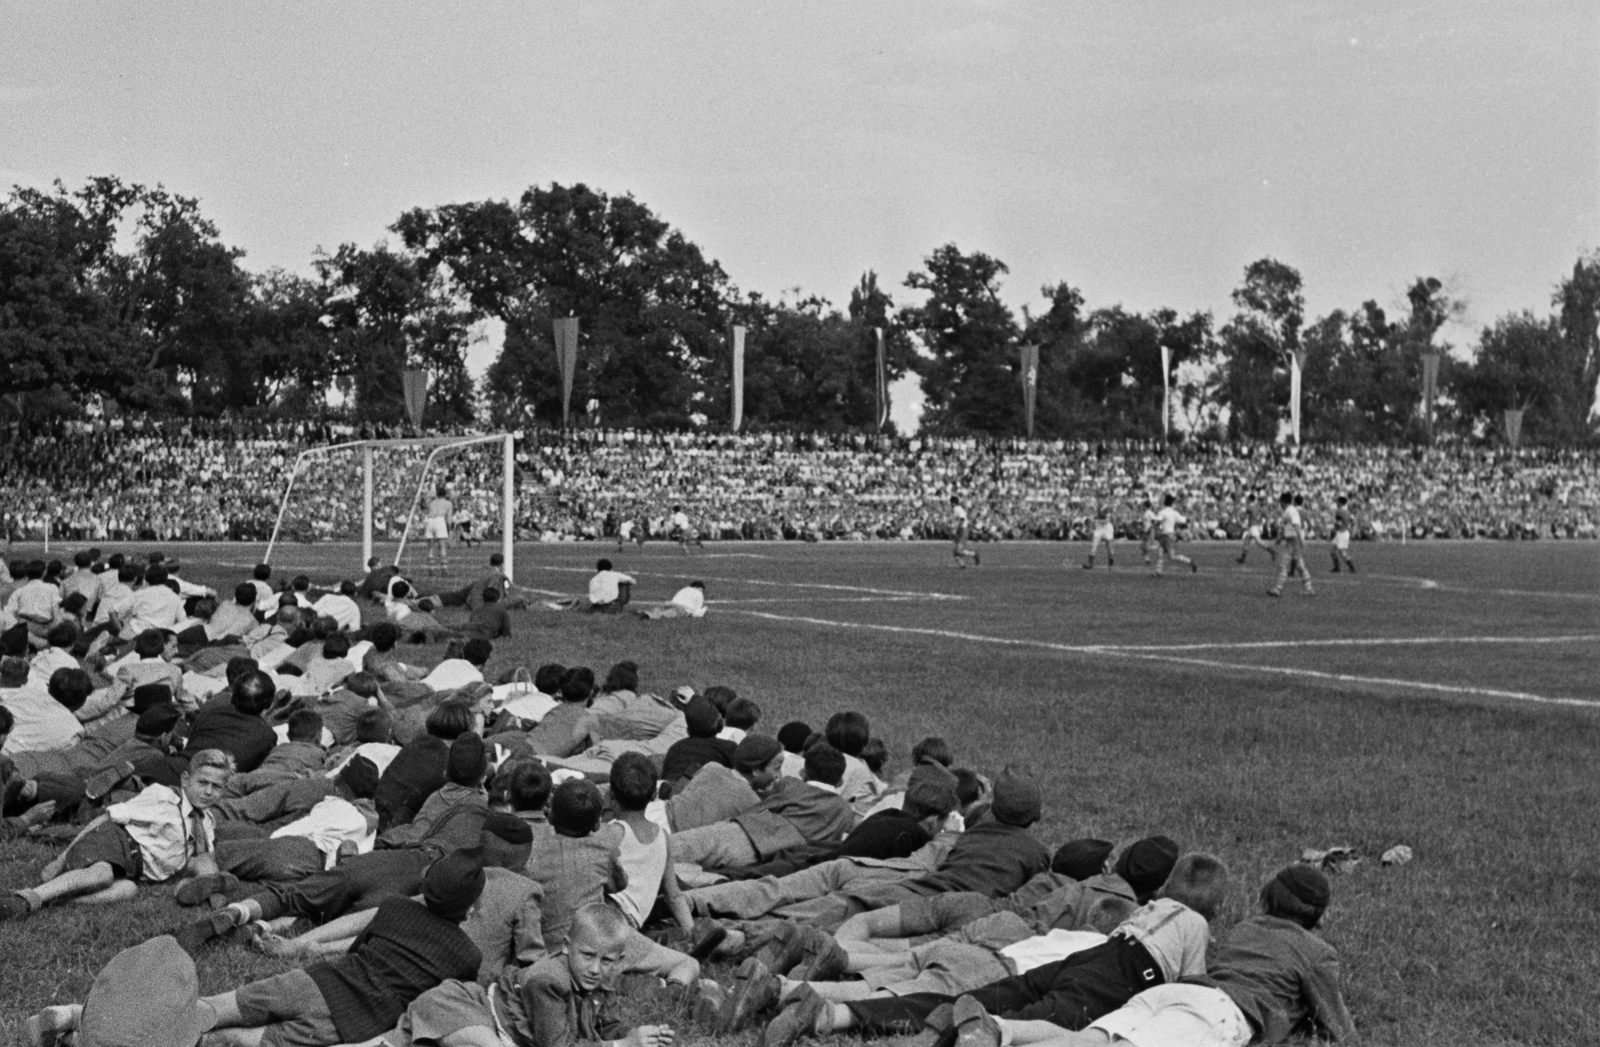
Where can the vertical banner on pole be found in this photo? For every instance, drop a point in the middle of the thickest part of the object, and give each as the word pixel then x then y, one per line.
pixel 1514 426
pixel 1296 364
pixel 736 339
pixel 882 386
pixel 415 385
pixel 1030 385
pixel 566 332
pixel 1166 393
pixel 1430 387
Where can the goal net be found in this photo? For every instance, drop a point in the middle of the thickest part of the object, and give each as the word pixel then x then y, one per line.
pixel 395 478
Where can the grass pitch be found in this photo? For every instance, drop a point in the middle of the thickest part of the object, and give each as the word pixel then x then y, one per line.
pixel 1443 698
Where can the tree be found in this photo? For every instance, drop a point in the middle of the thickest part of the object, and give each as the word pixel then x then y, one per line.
pixel 651 306
pixel 56 326
pixel 386 315
pixel 970 377
pixel 1578 301
pixel 1256 343
pixel 1524 362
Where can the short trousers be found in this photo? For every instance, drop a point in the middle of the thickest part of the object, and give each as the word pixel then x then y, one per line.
pixel 1104 534
pixel 441 1012
pixel 434 527
pixel 643 956
pixel 944 967
pixel 110 843
pixel 292 1008
pixel 942 913
pixel 1253 532
pixel 1341 541
pixel 1195 1015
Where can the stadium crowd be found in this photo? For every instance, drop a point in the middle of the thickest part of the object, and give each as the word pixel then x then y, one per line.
pixel 138 478
pixel 468 860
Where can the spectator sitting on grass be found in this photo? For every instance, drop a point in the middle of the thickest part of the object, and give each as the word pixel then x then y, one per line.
pixel 489 620
pixel 463 668
pixel 156 836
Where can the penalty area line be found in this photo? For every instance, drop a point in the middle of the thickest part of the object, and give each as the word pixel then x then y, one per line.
pixel 1137 654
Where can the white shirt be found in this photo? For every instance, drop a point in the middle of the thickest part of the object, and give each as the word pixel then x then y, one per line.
pixel 42 723
pixel 158 819
pixel 381 754
pixel 341 609
pixel 1169 519
pixel 45 664
pixel 332 822
pixel 603 587
pixel 452 673
pixel 154 607
pixel 1180 947
pixel 1289 523
pixel 692 600
pixel 680 521
pixel 35 599
pixel 1049 948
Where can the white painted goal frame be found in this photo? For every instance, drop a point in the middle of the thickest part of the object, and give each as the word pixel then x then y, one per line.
pixel 441 445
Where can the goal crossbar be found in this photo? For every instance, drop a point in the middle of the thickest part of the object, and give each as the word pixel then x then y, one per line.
pixel 440 445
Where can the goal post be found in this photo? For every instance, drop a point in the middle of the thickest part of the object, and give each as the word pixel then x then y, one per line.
pixel 441 445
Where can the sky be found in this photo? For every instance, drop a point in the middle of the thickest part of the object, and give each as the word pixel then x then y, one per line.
pixel 1144 152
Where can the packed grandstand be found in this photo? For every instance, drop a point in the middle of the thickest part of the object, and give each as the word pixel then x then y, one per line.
pixel 135 478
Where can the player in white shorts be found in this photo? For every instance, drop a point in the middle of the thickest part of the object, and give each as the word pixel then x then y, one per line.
pixel 1343 524
pixel 1252 530
pixel 1292 546
pixel 681 530
pixel 1168 520
pixel 1104 534
pixel 959 550
pixel 436 527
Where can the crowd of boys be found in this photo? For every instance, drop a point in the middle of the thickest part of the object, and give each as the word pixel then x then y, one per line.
pixel 454 860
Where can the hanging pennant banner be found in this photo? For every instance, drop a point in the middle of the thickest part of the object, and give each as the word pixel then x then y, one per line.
pixel 736 339
pixel 416 395
pixel 1430 385
pixel 566 334
pixel 1296 364
pixel 1514 426
pixel 882 387
pixel 1030 385
pixel 1166 392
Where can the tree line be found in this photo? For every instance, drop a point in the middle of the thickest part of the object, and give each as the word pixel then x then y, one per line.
pixel 128 293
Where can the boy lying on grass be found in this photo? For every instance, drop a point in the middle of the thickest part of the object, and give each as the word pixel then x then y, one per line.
pixel 1270 978
pixel 159 835
pixel 561 1001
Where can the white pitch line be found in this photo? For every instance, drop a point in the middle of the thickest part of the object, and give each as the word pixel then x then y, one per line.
pixel 1384 641
pixel 780 585
pixel 1383 681
pixel 1116 652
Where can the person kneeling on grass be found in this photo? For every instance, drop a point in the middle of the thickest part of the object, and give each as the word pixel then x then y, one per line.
pixel 563 1000
pixel 156 836
pixel 1271 977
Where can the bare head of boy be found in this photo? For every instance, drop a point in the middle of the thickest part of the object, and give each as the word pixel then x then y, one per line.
pixel 207 778
pixel 595 945
pixel 1199 881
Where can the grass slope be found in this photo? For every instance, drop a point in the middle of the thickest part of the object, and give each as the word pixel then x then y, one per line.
pixel 1485 938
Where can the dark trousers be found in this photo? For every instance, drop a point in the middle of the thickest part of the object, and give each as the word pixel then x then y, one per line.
pixel 360 882
pixel 1070 993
